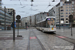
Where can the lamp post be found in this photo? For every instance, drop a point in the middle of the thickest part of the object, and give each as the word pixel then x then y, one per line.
pixel 5 18
pixel 59 17
pixel 13 25
pixel 61 4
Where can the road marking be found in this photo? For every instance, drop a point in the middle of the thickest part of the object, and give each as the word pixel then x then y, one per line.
pixel 61 36
pixel 66 38
pixel 32 37
pixel 10 38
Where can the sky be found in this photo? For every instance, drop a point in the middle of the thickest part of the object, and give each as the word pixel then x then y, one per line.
pixel 24 8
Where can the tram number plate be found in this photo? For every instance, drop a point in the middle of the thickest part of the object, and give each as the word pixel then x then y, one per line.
pixel 52 28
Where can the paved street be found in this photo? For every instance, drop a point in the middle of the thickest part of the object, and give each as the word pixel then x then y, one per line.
pixel 36 40
pixel 66 32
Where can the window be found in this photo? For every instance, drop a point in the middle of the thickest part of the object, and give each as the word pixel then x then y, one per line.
pixel 66 18
pixel 62 16
pixel 69 4
pixel 61 13
pixel 69 13
pixel 66 4
pixel 66 13
pixel 62 19
pixel 66 21
pixel 62 10
pixel 57 22
pixel 72 2
pixel 66 10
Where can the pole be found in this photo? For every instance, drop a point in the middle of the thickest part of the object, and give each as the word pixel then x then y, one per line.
pixel 59 17
pixel 71 30
pixel 35 21
pixel 74 47
pixel 13 25
pixel 5 18
pixel 18 30
pixel 30 20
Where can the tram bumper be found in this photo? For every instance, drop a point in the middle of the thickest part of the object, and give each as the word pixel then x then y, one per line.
pixel 50 30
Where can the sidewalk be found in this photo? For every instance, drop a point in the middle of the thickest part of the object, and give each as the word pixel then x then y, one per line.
pixel 66 32
pixel 20 44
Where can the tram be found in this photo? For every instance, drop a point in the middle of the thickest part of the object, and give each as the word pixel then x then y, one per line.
pixel 47 25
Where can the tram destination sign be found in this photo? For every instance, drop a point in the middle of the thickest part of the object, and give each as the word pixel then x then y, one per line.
pixel 50 18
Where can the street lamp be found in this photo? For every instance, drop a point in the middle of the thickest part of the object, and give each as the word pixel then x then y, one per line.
pixel 61 4
pixel 62 22
pixel 5 18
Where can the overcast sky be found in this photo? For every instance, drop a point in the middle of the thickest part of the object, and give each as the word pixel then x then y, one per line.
pixel 24 8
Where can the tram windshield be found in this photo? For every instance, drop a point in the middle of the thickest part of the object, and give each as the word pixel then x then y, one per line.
pixel 50 22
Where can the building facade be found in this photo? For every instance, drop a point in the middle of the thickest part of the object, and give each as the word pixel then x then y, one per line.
pixel 32 20
pixel 57 14
pixel 5 19
pixel 23 21
pixel 10 11
pixel 65 11
pixel 62 12
pixel 41 16
pixel 73 11
pixel 0 3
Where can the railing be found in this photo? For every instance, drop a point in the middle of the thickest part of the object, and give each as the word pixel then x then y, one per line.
pixel 4 13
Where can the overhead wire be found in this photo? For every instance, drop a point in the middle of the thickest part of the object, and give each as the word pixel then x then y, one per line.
pixel 30 5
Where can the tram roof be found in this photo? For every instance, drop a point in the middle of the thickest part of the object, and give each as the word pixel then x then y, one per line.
pixel 46 18
pixel 50 17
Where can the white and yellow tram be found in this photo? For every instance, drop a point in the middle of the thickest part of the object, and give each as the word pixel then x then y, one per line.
pixel 47 25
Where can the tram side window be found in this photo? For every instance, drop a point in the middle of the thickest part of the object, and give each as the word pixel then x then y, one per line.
pixel 43 24
pixel 47 25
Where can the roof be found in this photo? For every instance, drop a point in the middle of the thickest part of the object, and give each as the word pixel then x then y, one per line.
pixel 46 18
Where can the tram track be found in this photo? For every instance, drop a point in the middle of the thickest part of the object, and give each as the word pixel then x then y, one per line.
pixel 66 39
pixel 63 37
pixel 28 47
pixel 32 34
pixel 56 35
pixel 70 40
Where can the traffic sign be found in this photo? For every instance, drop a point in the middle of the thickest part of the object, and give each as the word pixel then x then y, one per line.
pixel 71 21
pixel 70 18
pixel 13 25
pixel 18 21
pixel 18 17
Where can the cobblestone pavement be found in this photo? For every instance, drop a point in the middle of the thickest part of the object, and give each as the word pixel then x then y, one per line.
pixel 66 32
pixel 18 44
pixel 49 41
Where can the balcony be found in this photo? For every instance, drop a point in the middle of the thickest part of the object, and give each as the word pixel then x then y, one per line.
pixel 8 23
pixel 2 16
pixel 1 19
pixel 4 13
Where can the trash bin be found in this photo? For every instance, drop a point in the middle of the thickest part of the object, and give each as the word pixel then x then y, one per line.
pixel 8 28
